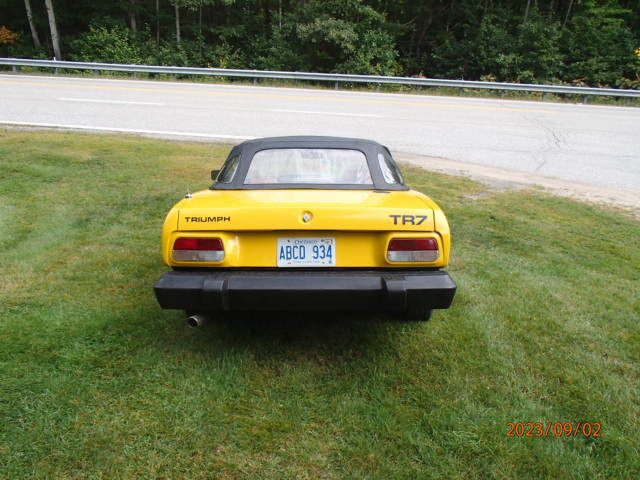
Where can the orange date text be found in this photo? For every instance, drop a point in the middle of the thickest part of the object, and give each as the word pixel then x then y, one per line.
pixel 554 429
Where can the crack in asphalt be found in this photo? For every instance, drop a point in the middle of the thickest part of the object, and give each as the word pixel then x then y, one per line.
pixel 555 141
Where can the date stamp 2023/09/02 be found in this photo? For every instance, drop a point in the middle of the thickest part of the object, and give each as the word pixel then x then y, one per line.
pixel 554 429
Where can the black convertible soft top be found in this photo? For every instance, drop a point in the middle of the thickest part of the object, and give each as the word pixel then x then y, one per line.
pixel 371 149
pixel 309 141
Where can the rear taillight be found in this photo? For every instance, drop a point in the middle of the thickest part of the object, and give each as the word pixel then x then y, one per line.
pixel 413 250
pixel 198 249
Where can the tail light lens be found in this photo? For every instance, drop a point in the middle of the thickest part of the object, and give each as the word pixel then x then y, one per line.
pixel 413 250
pixel 198 249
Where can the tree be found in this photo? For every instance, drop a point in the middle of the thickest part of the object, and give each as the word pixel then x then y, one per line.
pixel 598 44
pixel 132 15
pixel 7 36
pixel 157 22
pixel 566 17
pixel 177 15
pixel 55 38
pixel 342 36
pixel 32 25
pixel 592 41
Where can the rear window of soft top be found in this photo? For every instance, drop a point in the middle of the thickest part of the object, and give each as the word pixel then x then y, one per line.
pixel 321 166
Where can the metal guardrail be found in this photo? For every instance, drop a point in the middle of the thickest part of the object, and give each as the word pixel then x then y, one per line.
pixel 328 77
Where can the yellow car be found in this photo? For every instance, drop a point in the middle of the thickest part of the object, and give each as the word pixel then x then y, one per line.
pixel 306 223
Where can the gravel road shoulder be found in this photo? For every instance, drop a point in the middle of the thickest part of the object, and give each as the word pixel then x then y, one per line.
pixel 501 178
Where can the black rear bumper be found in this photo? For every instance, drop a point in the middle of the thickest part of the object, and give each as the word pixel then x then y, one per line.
pixel 371 290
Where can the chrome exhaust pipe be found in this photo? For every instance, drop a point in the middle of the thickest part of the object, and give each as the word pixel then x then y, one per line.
pixel 197 320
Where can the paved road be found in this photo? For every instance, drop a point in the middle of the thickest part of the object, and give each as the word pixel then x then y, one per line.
pixel 582 143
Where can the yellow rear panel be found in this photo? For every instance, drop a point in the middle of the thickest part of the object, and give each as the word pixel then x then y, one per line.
pixel 250 222
pixel 259 249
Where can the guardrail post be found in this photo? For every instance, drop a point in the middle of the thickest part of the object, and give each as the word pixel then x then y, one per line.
pixel 15 69
pixel 585 99
pixel 378 87
pixel 337 87
pixel 255 80
pixel 545 95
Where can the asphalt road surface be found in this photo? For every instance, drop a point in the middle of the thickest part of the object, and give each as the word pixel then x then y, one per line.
pixel 593 145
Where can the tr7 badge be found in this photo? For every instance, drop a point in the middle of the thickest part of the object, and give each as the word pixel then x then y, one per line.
pixel 408 219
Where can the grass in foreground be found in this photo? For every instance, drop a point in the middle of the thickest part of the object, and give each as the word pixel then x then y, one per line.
pixel 98 382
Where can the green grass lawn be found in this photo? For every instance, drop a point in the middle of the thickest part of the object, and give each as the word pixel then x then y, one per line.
pixel 96 381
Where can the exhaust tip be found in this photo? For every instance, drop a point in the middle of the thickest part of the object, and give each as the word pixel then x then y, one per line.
pixel 195 321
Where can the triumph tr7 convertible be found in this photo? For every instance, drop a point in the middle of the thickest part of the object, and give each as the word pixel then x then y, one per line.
pixel 303 224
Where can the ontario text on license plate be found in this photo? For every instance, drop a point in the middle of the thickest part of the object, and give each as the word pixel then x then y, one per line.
pixel 306 252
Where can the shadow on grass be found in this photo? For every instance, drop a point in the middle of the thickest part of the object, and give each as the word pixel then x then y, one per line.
pixel 325 338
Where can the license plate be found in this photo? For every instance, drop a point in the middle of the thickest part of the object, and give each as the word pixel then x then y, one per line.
pixel 306 252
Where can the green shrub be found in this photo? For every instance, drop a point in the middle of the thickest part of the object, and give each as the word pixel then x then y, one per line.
pixel 599 46
pixel 112 44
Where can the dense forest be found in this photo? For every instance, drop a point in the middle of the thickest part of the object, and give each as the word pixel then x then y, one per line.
pixel 585 42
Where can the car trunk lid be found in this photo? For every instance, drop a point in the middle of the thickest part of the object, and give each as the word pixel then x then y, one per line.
pixel 313 210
